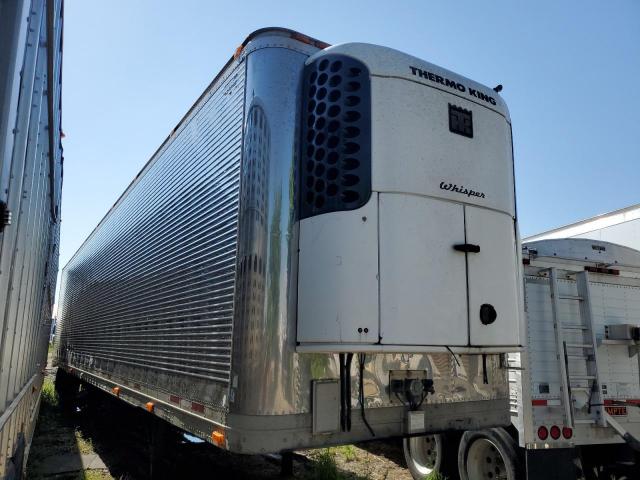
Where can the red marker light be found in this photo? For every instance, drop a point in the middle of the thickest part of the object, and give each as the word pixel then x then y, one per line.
pixel 543 433
pixel 555 432
pixel 567 432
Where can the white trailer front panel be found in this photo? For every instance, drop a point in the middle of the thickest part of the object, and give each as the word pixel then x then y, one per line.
pixel 442 270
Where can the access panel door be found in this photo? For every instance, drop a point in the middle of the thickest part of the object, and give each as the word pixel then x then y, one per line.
pixel 493 278
pixel 338 277
pixel 423 297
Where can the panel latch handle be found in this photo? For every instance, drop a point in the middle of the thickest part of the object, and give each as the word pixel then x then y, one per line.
pixel 467 248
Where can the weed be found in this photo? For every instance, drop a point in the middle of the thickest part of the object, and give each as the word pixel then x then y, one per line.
pixel 348 452
pixel 49 394
pixel 85 445
pixel 94 475
pixel 324 465
pixel 435 476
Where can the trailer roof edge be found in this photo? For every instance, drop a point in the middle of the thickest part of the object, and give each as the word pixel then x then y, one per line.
pixel 546 234
pixel 253 35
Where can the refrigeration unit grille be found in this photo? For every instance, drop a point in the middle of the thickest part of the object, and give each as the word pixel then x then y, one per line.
pixel 336 136
pixel 153 286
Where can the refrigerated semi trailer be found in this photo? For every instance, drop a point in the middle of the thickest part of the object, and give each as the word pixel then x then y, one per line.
pixel 324 250
pixel 575 388
pixel 30 183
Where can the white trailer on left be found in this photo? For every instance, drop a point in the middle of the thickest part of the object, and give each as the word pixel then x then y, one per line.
pixel 30 183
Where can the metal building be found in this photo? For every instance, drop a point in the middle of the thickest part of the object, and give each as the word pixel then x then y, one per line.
pixel 620 226
pixel 30 183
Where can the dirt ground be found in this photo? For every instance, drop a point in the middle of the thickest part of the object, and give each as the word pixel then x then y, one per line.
pixel 106 439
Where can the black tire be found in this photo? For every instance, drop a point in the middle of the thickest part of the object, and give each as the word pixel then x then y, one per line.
pixel 487 455
pixel 67 387
pixel 61 382
pixel 429 453
pixel 609 462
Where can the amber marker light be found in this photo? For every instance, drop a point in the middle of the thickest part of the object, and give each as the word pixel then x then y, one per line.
pixel 217 437
pixel 116 391
pixel 149 406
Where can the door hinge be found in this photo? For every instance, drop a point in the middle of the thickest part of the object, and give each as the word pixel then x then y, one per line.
pixel 5 216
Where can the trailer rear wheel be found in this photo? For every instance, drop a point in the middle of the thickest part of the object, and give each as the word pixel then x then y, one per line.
pixel 67 387
pixel 488 455
pixel 431 453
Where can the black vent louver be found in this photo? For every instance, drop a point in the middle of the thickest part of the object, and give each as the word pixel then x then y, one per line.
pixel 335 170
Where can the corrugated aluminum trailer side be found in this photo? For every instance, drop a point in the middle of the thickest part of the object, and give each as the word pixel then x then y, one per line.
pixel 30 184
pixel 184 299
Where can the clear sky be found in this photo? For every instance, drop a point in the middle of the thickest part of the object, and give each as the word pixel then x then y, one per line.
pixel 570 70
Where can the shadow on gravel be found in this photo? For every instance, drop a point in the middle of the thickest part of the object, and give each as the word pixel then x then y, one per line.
pixel 58 450
pixel 390 449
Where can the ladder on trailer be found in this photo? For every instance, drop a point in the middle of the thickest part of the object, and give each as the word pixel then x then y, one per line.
pixel 587 349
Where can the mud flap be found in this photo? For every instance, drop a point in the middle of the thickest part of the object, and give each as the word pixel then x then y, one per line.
pixel 562 459
pixel 626 436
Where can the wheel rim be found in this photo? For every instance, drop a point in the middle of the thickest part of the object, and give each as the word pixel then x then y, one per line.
pixel 485 462
pixel 424 453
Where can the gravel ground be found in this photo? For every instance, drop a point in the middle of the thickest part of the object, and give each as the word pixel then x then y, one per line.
pixel 110 440
pixel 372 460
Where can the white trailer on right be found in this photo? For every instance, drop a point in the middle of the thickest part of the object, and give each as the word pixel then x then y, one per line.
pixel 575 389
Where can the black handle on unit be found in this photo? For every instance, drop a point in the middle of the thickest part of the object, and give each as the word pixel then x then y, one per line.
pixel 467 248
